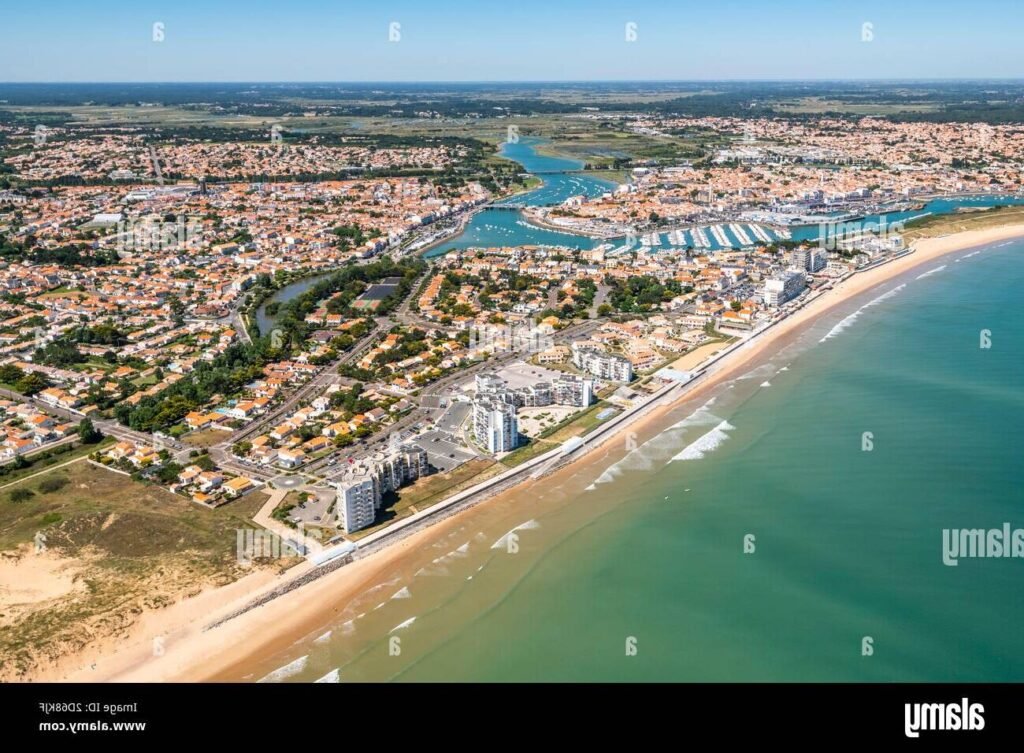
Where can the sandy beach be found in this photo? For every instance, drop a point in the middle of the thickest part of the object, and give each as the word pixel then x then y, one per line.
pixel 189 653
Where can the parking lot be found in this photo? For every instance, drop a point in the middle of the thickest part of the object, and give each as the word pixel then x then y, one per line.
pixel 443 451
pixel 315 510
pixel 453 417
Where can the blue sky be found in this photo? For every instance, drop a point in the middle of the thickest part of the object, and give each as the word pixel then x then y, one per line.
pixel 514 40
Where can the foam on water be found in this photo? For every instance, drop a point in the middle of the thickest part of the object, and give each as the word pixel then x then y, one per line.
pixel 658 448
pixel 705 444
pixel 502 543
pixel 323 638
pixel 930 272
pixel 402 625
pixel 766 384
pixel 427 571
pixel 848 321
pixel 331 678
pixel 402 593
pixel 288 670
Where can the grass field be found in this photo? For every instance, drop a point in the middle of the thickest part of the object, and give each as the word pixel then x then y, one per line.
pixel 39 463
pixel 818 105
pixel 205 438
pixel 935 225
pixel 520 455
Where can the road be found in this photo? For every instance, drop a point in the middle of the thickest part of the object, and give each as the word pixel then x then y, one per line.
pixel 156 165
pixel 424 415
pixel 108 427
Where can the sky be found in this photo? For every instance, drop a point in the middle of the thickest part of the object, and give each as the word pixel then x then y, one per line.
pixel 512 40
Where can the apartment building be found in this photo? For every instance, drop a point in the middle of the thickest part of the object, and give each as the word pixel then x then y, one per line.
pixel 495 426
pixel 602 364
pixel 573 390
pixel 361 492
pixel 784 287
pixel 358 499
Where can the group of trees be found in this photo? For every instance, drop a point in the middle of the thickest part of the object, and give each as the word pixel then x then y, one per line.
pixel 69 255
pixel 341 289
pixel 59 353
pixel 27 383
pixel 640 293
pixel 226 374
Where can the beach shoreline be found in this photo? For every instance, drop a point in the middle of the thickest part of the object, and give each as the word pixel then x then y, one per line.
pixel 189 652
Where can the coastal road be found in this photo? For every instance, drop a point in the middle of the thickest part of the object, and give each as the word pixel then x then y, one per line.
pixel 156 165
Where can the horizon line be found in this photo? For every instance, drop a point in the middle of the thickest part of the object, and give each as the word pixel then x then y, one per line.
pixel 896 79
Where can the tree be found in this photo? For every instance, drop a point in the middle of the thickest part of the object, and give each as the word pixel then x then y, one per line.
pixel 32 383
pixel 10 374
pixel 88 433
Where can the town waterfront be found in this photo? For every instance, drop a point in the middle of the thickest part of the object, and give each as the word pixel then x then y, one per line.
pixel 844 455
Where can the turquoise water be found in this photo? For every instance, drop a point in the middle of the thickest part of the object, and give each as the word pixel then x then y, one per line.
pixel 501 227
pixel 848 543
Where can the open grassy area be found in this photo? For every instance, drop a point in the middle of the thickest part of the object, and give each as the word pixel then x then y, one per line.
pixel 577 426
pixel 520 455
pixel 936 225
pixel 430 490
pixel 43 460
pixel 205 438
pixel 819 105
pixel 122 547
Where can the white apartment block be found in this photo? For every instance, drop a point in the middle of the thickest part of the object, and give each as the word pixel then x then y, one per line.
pixel 361 492
pixel 495 425
pixel 603 365
pixel 783 287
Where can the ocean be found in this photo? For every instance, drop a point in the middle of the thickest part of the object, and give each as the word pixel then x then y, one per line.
pixel 785 527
